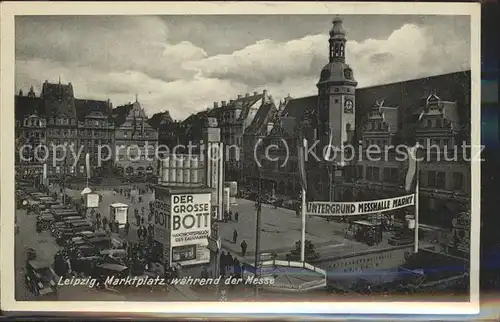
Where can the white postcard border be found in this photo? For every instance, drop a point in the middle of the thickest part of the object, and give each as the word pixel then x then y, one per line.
pixel 8 12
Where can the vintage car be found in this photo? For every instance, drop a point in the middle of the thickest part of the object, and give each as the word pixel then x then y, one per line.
pixel 118 256
pixel 44 221
pixel 40 278
pixel 79 226
pixel 92 234
pixel 64 234
pixel 102 271
pixel 100 242
pixel 85 250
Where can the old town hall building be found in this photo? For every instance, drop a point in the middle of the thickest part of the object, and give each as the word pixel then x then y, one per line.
pixel 434 111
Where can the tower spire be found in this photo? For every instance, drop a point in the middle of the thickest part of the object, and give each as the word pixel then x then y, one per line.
pixel 136 98
pixel 337 41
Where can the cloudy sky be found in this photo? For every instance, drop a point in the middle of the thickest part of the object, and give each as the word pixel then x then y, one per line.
pixel 185 63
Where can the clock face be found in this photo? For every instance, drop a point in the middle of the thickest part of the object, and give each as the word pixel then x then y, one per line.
pixel 348 73
pixel 348 106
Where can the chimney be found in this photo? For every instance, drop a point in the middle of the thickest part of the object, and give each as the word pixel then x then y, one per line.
pixel 239 96
pixel 223 103
pixel 216 104
pixel 247 94
pixel 255 93
pixel 264 92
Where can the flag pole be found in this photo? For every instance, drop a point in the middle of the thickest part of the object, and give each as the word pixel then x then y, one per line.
pixel 303 210
pixel 417 189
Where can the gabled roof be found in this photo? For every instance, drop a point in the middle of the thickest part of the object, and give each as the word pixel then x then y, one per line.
pixel 85 107
pixel 120 113
pixel 296 107
pixel 25 106
pixel 408 96
pixel 264 115
pixel 159 119
pixel 246 103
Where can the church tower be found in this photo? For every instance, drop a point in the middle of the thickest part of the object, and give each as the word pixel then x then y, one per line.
pixel 336 94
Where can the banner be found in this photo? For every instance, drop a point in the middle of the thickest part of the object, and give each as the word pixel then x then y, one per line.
pixel 87 164
pixel 302 164
pixel 320 208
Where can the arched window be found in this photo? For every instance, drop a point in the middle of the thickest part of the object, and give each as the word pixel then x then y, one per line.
pixel 342 50
pixel 337 50
pixel 348 127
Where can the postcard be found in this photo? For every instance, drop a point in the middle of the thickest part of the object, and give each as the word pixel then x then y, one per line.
pixel 202 158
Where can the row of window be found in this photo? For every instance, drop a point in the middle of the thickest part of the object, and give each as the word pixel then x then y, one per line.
pixel 375 126
pixel 425 142
pixel 231 116
pixel 434 123
pixel 435 179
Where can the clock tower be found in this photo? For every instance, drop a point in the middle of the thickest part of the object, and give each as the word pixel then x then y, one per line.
pixel 336 95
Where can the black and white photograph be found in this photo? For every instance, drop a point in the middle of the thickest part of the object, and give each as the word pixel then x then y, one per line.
pixel 270 156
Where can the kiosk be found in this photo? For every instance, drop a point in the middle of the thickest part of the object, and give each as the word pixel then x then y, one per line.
pixel 119 211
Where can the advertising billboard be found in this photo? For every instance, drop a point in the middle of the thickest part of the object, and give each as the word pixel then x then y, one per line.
pixel 190 226
pixel 161 216
pixel 92 200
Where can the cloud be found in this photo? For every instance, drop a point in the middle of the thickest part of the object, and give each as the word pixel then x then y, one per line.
pixel 109 57
pixel 407 53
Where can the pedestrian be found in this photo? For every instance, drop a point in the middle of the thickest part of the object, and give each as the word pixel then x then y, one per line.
pixel 127 228
pixel 98 224
pixel 230 214
pixel 140 200
pixel 237 270
pixel 104 223
pixel 236 216
pixel 117 227
pixel 243 248
pixel 204 272
pixel 229 262
pixel 235 236
pixel 222 264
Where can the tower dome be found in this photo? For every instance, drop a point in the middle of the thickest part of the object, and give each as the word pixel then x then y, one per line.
pixel 337 71
pixel 337 28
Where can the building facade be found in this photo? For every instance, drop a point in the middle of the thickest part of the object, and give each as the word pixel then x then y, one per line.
pixel 95 133
pixel 136 141
pixel 60 130
pixel 433 111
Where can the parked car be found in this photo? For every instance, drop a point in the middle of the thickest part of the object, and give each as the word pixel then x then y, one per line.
pixel 44 221
pixel 40 278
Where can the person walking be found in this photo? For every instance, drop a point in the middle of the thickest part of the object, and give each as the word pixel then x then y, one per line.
pixel 127 228
pixel 222 264
pixel 105 223
pixel 98 224
pixel 229 262
pixel 139 234
pixel 236 216
pixel 243 248
pixel 235 236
